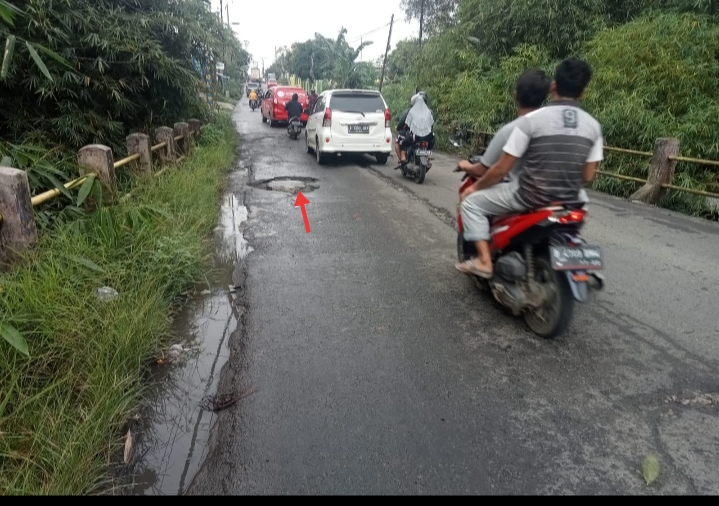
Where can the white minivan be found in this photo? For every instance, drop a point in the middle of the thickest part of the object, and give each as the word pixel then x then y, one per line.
pixel 349 121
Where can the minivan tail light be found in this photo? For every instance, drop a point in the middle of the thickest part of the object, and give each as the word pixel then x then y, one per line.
pixel 327 120
pixel 387 117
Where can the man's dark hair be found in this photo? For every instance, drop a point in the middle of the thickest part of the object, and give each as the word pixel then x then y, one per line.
pixel 572 76
pixel 532 88
pixel 294 96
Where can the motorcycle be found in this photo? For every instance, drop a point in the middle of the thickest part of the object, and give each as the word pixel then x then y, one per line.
pixel 418 161
pixel 294 127
pixel 541 263
pixel 254 104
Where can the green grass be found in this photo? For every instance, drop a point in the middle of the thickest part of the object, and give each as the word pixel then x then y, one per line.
pixel 63 407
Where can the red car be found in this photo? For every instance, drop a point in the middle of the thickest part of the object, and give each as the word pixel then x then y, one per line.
pixel 273 104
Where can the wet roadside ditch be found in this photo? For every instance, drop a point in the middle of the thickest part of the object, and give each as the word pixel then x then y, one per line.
pixel 168 439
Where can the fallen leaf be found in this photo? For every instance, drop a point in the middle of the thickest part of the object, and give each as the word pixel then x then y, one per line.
pixel 650 468
pixel 128 446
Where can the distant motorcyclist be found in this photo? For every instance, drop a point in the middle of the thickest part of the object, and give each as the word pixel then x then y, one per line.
pixel 293 107
pixel 419 122
pixel 253 96
pixel 313 99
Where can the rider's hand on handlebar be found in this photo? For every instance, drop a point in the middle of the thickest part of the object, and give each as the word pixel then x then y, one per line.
pixel 464 165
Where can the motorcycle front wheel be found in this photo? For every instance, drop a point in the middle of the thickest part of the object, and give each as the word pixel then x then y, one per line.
pixel 554 317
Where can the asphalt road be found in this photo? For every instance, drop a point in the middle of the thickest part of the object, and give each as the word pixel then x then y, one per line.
pixel 381 370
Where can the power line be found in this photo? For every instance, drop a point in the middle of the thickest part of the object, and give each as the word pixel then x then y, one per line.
pixel 355 39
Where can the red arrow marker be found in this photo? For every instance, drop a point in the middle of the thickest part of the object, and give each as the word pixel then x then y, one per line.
pixel 302 202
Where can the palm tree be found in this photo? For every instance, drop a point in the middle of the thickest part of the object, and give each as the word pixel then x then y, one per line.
pixel 345 71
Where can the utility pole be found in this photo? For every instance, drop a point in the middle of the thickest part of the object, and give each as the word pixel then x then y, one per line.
pixel 421 23
pixel 389 38
pixel 227 11
pixel 222 19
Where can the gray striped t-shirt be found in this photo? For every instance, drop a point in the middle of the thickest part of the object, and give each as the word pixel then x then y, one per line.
pixel 556 142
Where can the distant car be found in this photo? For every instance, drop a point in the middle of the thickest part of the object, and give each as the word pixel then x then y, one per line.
pixel 271 81
pixel 253 86
pixel 349 121
pixel 273 104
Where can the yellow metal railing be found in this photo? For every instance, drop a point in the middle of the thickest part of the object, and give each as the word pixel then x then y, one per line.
pixel 43 197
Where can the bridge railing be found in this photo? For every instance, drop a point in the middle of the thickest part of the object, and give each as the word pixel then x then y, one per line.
pixel 18 230
pixel 661 169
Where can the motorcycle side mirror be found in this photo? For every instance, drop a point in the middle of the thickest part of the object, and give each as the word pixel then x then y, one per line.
pixel 455 142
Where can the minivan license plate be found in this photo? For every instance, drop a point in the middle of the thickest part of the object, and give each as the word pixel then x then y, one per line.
pixel 576 258
pixel 358 129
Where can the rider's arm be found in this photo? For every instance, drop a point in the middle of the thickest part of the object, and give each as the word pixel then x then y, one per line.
pixel 596 155
pixel 476 170
pixel 513 150
pixel 496 172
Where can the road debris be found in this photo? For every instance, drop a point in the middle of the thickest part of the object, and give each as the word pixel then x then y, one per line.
pixel 650 468
pixel 223 401
pixel 106 293
pixel 128 447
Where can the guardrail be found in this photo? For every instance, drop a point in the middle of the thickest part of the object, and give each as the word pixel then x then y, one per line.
pixel 17 220
pixel 661 170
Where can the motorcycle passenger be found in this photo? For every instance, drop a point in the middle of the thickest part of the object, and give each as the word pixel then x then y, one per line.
pixel 561 145
pixel 530 93
pixel 253 96
pixel 293 108
pixel 419 126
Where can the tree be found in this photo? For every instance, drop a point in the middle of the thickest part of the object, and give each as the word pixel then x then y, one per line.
pixel 438 14
pixel 343 69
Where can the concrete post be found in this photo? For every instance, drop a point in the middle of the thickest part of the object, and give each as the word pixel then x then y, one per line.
pixel 98 159
pixel 17 229
pixel 661 171
pixel 167 154
pixel 195 125
pixel 184 144
pixel 140 144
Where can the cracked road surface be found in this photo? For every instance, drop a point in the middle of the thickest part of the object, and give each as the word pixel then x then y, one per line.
pixel 381 370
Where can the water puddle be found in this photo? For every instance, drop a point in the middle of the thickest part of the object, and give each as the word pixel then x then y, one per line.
pixel 173 430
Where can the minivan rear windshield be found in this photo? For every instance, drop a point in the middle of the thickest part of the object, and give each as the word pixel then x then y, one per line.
pixel 356 102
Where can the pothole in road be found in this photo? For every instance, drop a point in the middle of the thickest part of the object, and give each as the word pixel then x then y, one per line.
pixel 287 184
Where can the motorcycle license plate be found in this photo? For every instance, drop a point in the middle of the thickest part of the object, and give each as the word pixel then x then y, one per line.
pixel 424 152
pixel 576 258
pixel 358 129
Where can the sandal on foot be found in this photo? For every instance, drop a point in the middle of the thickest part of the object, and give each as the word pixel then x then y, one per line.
pixel 468 267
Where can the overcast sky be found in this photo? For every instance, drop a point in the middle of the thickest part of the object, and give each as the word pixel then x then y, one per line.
pixel 265 29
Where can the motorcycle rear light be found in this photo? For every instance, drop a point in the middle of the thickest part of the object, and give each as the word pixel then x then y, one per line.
pixel 327 120
pixel 424 144
pixel 387 117
pixel 580 277
pixel 572 217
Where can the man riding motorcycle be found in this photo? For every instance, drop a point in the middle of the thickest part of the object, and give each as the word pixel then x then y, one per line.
pixel 530 93
pixel 313 99
pixel 253 96
pixel 561 146
pixel 293 108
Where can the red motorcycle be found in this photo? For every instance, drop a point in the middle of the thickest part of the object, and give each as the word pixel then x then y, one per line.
pixel 541 263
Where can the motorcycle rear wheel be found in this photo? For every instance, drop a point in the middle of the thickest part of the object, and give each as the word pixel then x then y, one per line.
pixel 554 318
pixel 419 173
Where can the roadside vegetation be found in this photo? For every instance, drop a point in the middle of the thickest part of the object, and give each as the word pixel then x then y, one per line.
pixel 78 72
pixel 62 407
pixel 655 65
